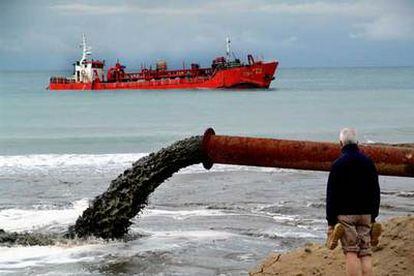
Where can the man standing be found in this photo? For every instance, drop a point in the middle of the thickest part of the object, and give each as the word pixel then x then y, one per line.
pixel 352 204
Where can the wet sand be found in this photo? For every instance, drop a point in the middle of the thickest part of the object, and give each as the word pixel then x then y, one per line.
pixel 393 256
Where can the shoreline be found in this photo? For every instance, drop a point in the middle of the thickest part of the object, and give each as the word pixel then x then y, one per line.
pixel 393 256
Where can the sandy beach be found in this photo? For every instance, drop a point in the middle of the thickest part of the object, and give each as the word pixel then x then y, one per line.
pixel 393 256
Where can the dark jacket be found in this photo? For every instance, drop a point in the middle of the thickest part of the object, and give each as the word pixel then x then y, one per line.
pixel 353 187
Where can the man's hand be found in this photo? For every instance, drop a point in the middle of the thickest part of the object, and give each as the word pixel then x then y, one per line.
pixel 334 234
pixel 329 231
pixel 328 235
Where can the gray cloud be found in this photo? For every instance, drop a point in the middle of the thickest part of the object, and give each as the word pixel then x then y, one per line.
pixel 296 32
pixel 378 20
pixel 83 8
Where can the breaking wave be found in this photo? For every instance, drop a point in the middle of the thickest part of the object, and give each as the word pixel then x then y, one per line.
pixel 276 234
pixel 48 218
pixel 41 217
pixel 95 164
pixel 405 194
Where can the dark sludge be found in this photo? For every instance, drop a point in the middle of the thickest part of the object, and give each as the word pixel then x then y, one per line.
pixel 109 214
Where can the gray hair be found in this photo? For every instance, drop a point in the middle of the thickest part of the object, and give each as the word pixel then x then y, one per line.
pixel 348 136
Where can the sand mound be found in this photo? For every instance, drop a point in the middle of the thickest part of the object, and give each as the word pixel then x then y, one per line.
pixel 393 256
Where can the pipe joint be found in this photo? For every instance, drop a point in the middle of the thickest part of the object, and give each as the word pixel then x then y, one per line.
pixel 207 163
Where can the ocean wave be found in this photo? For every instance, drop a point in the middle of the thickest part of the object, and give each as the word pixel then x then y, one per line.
pixel 44 164
pixel 50 218
pixel 318 205
pixel 388 192
pixel 182 214
pixel 192 235
pixel 370 141
pixel 275 234
pixel 399 193
pixel 278 208
pixel 395 208
pixel 47 164
pixel 405 194
pixel 15 258
pixel 19 220
pixel 287 216
pixel 12 258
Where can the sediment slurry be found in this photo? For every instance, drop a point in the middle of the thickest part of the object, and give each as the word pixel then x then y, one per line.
pixel 26 239
pixel 109 214
pixel 393 256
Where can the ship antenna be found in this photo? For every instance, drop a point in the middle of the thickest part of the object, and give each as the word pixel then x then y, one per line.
pixel 86 50
pixel 228 42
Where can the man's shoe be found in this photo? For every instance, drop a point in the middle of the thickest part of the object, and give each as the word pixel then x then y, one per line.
pixel 337 234
pixel 376 231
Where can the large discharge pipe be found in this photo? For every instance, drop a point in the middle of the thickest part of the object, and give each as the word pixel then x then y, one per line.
pixel 303 155
pixel 108 215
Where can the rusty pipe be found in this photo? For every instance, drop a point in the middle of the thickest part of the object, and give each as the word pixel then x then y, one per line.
pixel 302 155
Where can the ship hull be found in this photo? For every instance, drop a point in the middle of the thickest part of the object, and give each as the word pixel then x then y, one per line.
pixel 258 75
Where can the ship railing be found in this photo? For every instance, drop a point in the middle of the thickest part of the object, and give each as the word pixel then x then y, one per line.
pixel 156 74
pixel 61 80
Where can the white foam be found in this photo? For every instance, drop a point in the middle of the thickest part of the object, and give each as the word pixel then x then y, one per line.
pixel 192 235
pixel 182 214
pixel 292 234
pixel 19 220
pixel 43 164
pixel 13 259
pixel 47 164
pixel 405 194
pixel 233 168
pixel 59 160
pixel 284 218
pixel 260 210
pixel 288 232
pixel 20 257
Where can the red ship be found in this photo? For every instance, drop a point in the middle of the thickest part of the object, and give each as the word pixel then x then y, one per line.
pixel 224 72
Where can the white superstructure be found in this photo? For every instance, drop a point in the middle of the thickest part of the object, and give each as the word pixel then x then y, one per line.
pixel 87 70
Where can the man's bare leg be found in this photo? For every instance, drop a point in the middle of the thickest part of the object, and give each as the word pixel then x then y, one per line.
pixel 366 265
pixel 353 264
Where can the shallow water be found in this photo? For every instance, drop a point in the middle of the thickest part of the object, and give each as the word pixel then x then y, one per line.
pixel 59 150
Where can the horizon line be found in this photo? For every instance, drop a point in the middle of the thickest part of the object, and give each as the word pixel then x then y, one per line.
pixel 279 68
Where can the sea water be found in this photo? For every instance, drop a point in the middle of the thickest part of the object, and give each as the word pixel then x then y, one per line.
pixel 58 150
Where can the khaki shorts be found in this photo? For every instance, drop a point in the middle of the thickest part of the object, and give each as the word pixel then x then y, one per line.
pixel 357 237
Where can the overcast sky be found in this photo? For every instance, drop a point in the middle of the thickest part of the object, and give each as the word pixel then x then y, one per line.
pixel 45 34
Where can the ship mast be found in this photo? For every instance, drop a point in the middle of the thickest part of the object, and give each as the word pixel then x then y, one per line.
pixel 228 42
pixel 86 50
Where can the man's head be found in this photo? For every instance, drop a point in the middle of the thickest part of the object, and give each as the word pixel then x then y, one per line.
pixel 348 136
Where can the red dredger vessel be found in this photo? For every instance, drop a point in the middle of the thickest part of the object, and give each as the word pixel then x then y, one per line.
pixel 224 72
